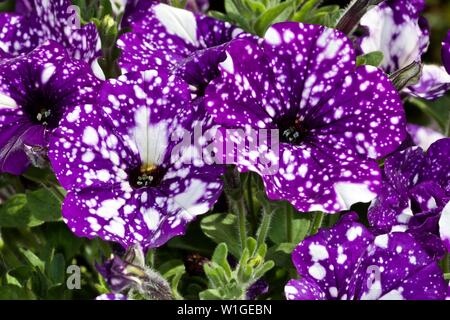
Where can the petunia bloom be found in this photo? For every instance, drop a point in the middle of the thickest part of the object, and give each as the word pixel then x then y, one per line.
pixel 332 119
pixel 416 196
pixel 36 91
pixel 189 44
pixel 396 28
pixel 119 164
pixel 38 21
pixel 348 262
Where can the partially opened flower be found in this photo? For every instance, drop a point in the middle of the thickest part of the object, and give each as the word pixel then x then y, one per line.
pixel 332 119
pixel 348 262
pixel 396 28
pixel 416 196
pixel 36 91
pixel 119 163
pixel 423 137
pixel 37 21
pixel 166 37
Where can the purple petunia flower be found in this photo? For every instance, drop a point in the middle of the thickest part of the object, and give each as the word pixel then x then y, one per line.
pixel 191 45
pixel 396 28
pixel 120 165
pixel 37 21
pixel 416 196
pixel 36 90
pixel 348 262
pixel 332 119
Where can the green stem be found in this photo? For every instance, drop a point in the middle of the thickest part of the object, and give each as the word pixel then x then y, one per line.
pixel 151 258
pixel 264 227
pixel 240 208
pixel 289 219
pixel 447 276
pixel 317 223
pixel 251 206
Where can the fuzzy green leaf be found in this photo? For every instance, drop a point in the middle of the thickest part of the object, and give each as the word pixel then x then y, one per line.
pixel 222 227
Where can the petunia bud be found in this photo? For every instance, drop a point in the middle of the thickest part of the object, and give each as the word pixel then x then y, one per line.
pixel 407 76
pixel 129 274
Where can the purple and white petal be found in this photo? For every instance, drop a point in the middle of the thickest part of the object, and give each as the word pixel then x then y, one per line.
pixel 415 195
pixel 303 289
pixel 330 257
pixel 433 84
pixel 48 20
pixel 111 296
pixel 395 28
pixel 423 137
pixel 348 262
pixel 397 268
pixel 444 226
pixel 163 36
pixel 15 35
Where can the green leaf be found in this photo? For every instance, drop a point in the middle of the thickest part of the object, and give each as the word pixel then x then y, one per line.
pixel 325 16
pixel 222 227
pixel 299 225
pixel 220 258
pixel 255 6
pixel 218 15
pixel 233 7
pixel 213 275
pixel 281 254
pixel 372 59
pixel 210 294
pixel 173 271
pixel 56 269
pixel 33 259
pixel 305 10
pixel 12 280
pixel 13 292
pixel 44 205
pixel 275 14
pixel 268 265
pixel 14 213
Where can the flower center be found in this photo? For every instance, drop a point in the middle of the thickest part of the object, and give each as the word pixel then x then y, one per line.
pixel 292 130
pixel 147 175
pixel 43 116
pixel 41 110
